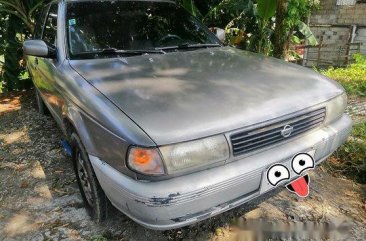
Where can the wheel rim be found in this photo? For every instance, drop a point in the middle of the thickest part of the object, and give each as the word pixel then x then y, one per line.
pixel 84 179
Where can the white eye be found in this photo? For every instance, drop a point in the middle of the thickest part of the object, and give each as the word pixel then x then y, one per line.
pixel 277 173
pixel 302 162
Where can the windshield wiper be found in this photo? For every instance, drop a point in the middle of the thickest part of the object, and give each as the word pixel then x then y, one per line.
pixel 132 51
pixel 113 51
pixel 189 46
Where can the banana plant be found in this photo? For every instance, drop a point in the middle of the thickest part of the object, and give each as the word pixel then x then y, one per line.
pixel 266 9
pixel 247 23
pixel 250 24
pixel 16 22
pixel 306 31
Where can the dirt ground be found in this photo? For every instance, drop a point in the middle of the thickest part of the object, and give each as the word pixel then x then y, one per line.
pixel 39 198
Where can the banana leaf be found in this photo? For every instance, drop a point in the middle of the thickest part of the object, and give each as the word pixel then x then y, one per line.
pixel 266 8
pixel 305 30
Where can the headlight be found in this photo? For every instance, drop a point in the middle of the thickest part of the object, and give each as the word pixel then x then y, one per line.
pixel 193 154
pixel 335 108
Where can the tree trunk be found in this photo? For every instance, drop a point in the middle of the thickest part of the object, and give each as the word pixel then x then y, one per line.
pixel 280 39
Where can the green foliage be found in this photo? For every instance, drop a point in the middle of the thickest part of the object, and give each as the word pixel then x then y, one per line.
pixel 352 77
pixel 191 7
pixel 16 24
pixel 350 159
pixel 1 83
pixel 266 8
pixel 229 12
pixel 305 30
pixel 249 24
pixel 297 14
pixel 24 10
pixel 12 55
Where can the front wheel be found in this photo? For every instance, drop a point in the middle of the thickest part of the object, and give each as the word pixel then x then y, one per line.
pixel 95 200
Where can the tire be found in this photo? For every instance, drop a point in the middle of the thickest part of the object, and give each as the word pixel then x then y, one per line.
pixel 95 200
pixel 41 106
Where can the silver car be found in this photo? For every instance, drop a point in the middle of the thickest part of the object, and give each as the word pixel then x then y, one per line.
pixel 166 123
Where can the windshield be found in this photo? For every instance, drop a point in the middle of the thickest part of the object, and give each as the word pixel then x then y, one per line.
pixel 104 28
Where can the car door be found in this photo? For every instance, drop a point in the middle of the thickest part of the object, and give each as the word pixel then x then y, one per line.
pixel 47 68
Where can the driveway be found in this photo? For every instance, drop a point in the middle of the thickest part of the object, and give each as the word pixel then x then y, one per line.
pixel 39 198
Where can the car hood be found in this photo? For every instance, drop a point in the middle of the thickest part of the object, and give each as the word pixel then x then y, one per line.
pixel 187 95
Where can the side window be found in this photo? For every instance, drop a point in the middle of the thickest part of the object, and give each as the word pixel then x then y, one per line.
pixel 41 17
pixel 50 28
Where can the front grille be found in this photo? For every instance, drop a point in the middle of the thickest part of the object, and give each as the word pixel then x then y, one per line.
pixel 254 139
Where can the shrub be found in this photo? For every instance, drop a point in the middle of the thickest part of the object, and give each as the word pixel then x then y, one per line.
pixel 352 77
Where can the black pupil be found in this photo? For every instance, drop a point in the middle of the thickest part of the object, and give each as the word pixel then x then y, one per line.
pixel 277 174
pixel 302 162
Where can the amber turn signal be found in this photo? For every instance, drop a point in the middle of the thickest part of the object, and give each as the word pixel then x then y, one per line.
pixel 145 160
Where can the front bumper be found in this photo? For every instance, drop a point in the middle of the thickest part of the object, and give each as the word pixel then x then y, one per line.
pixel 187 199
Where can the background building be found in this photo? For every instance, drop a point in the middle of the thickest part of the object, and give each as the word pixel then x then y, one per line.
pixel 340 28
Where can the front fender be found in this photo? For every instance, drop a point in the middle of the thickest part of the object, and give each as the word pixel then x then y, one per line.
pixel 97 140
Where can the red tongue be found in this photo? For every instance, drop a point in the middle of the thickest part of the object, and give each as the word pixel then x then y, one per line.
pixel 300 187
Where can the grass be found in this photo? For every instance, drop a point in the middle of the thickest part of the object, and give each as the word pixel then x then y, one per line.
pixel 352 77
pixel 350 159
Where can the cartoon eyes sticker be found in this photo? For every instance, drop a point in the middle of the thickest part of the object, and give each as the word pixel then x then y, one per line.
pixel 302 162
pixel 277 173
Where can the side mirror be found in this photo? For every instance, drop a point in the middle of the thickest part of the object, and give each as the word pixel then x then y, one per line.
pixel 38 48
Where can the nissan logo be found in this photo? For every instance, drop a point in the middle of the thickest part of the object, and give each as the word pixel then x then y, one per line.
pixel 286 131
